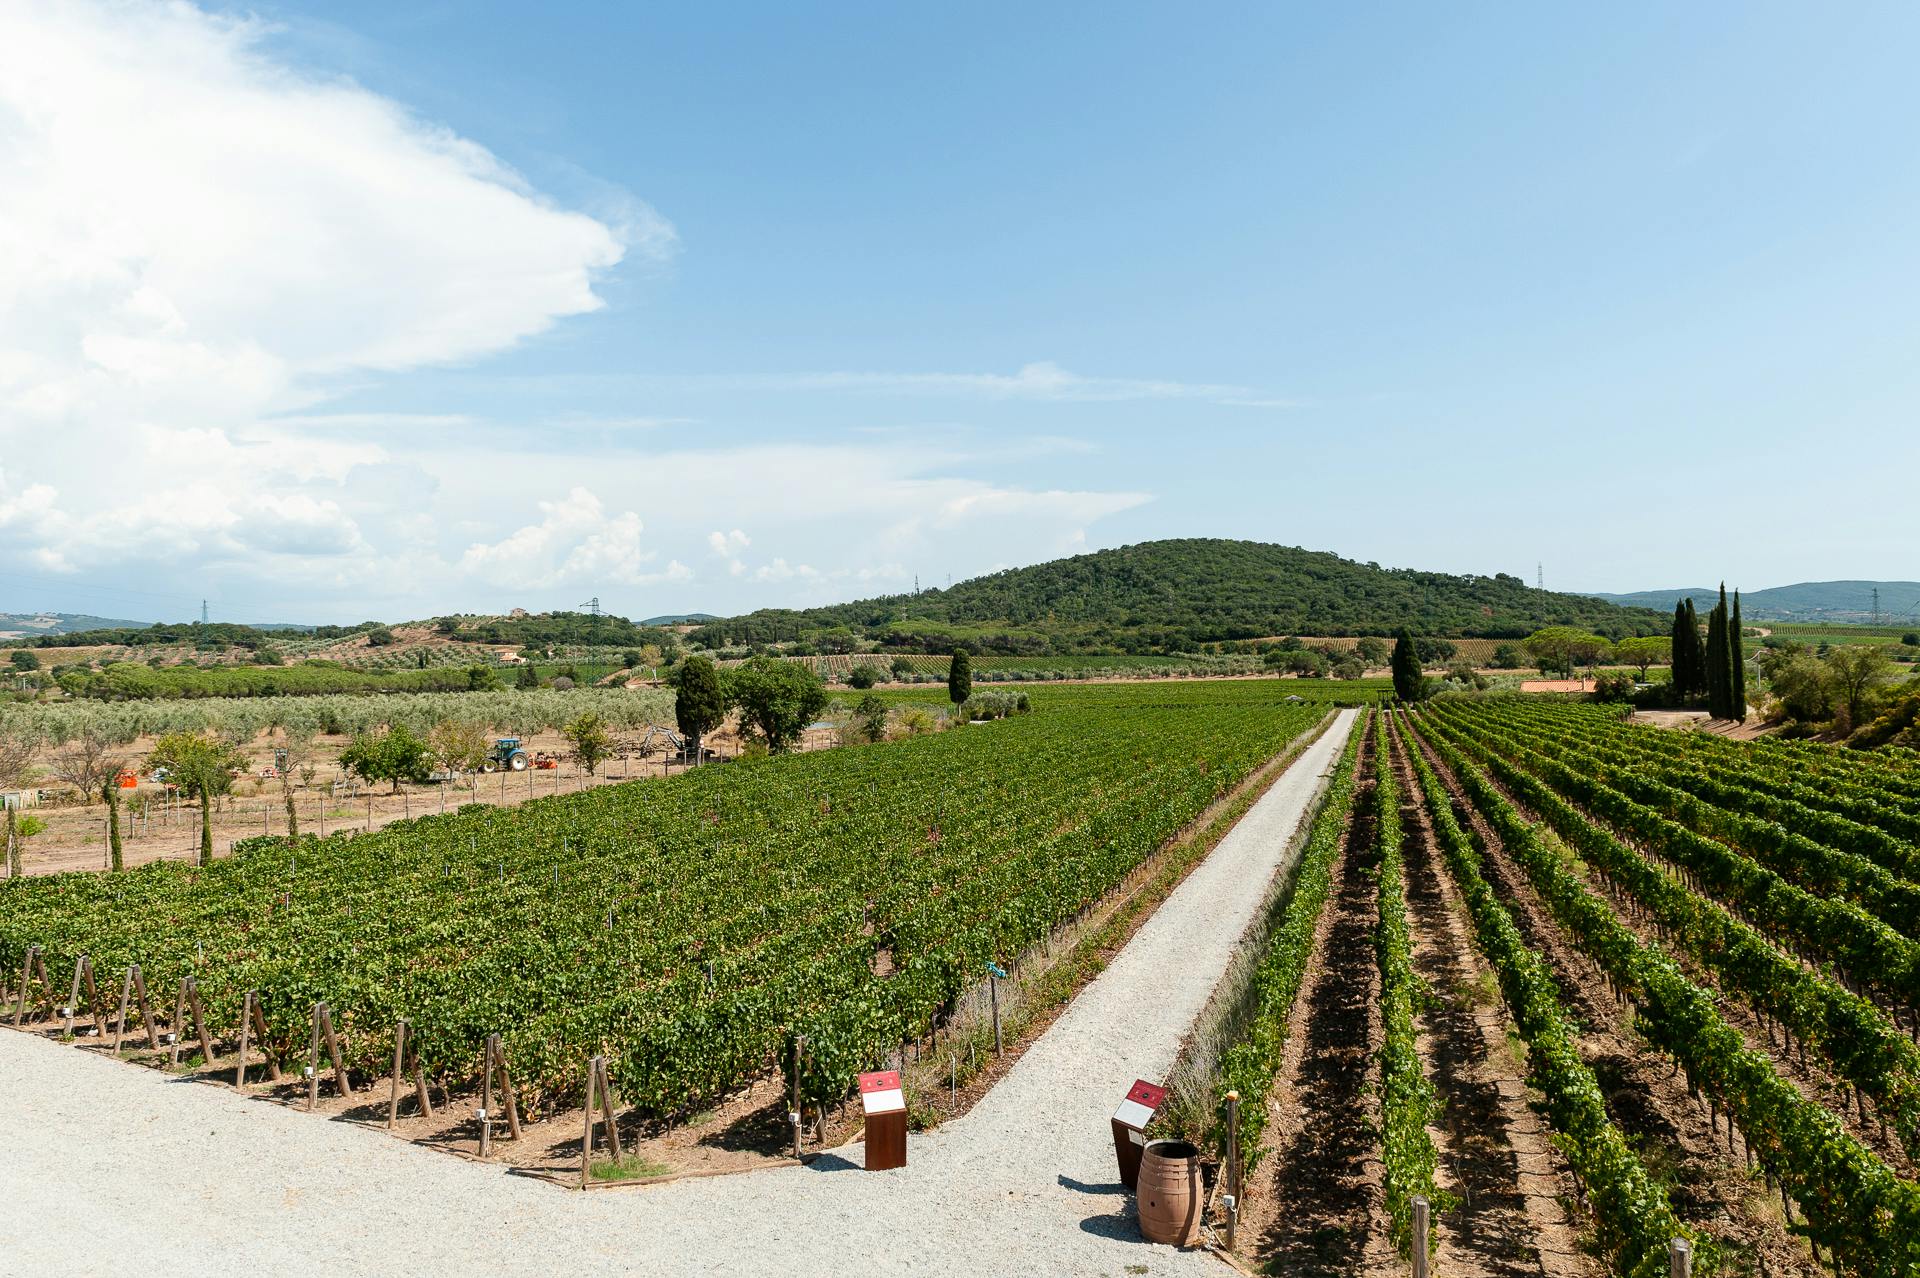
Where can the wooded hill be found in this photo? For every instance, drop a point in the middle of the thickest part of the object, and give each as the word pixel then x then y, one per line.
pixel 1168 596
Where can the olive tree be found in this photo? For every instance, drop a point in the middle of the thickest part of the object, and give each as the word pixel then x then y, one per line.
pixel 203 768
pixel 776 699
pixel 590 740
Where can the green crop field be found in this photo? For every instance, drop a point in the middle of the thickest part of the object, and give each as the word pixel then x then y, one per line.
pixel 1816 633
pixel 686 925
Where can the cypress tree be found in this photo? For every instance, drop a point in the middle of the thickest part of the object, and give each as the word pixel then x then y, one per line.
pixel 1738 666
pixel 1715 651
pixel 1717 700
pixel 1405 664
pixel 1680 674
pixel 960 677
pixel 1696 657
pixel 700 703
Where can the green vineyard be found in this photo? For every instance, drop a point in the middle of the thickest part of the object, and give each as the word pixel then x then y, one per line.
pixel 687 927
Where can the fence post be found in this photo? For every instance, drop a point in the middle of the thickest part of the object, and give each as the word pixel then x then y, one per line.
pixel 1233 1167
pixel 1680 1258
pixel 993 991
pixel 1422 1213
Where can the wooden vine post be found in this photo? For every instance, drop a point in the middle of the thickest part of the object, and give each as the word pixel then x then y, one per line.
pixel 192 990
pixel 494 1057
pixel 1680 1258
pixel 1422 1212
pixel 599 1096
pixel 333 1051
pixel 260 1035
pixel 26 984
pixel 120 1021
pixel 1233 1171
pixel 399 1071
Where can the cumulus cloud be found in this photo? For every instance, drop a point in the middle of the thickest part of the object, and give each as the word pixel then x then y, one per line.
pixel 727 546
pixel 194 237
pixel 576 541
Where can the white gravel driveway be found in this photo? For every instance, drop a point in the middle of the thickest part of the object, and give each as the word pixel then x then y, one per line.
pixel 104 1165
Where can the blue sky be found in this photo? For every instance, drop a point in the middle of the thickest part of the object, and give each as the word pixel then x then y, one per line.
pixel 468 306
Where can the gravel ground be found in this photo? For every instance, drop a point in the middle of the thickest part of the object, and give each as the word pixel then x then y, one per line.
pixel 104 1162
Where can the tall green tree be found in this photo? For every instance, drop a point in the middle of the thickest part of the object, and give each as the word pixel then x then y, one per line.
pixel 1405 662
pixel 1716 661
pixel 203 768
pixel 1680 680
pixel 1696 654
pixel 699 704
pixel 776 699
pixel 960 677
pixel 1737 666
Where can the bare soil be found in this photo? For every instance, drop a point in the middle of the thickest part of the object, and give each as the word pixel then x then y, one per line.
pixel 76 838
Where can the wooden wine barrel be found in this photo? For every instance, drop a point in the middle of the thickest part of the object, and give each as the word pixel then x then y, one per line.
pixel 1170 1193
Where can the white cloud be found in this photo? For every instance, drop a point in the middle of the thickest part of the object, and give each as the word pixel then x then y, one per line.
pixel 727 546
pixel 1042 380
pixel 193 238
pixel 576 542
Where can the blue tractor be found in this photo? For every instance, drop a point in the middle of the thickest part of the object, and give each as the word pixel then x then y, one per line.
pixel 507 756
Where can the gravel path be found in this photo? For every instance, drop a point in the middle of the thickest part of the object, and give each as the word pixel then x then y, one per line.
pixel 206 1180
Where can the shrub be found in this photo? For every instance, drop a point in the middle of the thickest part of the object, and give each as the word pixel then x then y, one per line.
pixel 1613 685
pixel 862 676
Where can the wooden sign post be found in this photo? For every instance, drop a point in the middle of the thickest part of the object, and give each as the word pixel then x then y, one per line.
pixel 885 1105
pixel 1130 1121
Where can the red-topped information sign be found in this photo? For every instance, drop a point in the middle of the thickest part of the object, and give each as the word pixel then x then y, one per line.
pixel 880 1093
pixel 1129 1121
pixel 885 1107
pixel 1143 1099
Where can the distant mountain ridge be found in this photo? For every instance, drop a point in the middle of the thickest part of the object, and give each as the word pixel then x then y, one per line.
pixel 28 625
pixel 1176 595
pixel 1849 602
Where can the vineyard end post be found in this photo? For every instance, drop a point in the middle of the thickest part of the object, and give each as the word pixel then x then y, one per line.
pixel 793 1115
pixel 1422 1212
pixel 1233 1167
pixel 1680 1258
